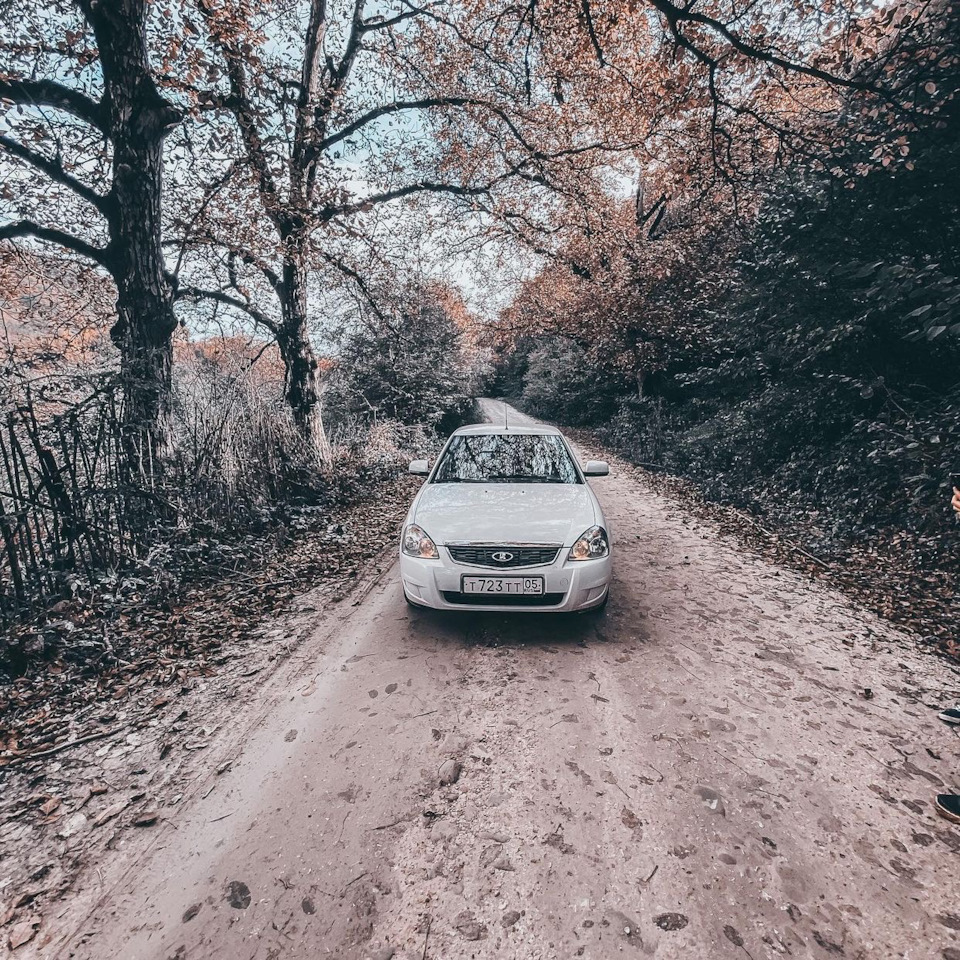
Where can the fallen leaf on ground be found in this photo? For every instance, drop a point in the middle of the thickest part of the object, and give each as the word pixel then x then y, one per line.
pixel 24 932
pixel 95 789
pixel 111 811
pixel 733 935
pixel 450 772
pixel 146 818
pixel 27 896
pixel 238 895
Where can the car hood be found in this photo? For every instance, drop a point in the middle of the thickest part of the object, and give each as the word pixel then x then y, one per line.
pixel 505 512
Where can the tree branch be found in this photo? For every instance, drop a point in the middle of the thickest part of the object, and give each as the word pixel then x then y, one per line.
pixel 675 16
pixel 53 168
pixel 218 296
pixel 389 108
pixel 204 238
pixel 340 72
pixel 594 42
pixel 310 78
pixel 27 228
pixel 49 93
pixel 361 284
pixel 398 193
pixel 211 193
pixel 241 106
pixel 429 102
pixel 509 222
pixel 379 23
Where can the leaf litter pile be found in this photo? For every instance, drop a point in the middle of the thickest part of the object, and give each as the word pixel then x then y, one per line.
pixel 99 730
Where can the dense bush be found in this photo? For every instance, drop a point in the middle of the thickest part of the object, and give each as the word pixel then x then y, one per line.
pixel 560 383
pixel 411 366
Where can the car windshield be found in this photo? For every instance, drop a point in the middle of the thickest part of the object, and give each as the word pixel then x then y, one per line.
pixel 506 458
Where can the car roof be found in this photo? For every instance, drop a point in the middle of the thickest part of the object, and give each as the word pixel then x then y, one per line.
pixel 474 429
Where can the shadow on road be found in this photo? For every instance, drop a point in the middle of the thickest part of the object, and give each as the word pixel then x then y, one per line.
pixel 480 628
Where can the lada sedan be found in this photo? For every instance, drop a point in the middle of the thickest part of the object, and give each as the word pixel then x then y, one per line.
pixel 506 521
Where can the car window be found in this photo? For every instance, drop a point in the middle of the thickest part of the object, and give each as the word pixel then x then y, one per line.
pixel 506 458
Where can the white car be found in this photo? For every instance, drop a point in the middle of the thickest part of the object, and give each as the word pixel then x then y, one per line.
pixel 506 521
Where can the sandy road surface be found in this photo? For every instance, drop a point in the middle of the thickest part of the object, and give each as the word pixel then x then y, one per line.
pixel 695 773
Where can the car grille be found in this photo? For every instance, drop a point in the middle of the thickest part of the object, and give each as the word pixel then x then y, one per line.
pixel 489 600
pixel 519 556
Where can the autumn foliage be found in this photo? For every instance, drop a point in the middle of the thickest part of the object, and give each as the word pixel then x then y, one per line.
pixel 249 230
pixel 792 348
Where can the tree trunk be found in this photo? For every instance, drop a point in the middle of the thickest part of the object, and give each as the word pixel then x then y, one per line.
pixel 138 120
pixel 300 362
pixel 145 374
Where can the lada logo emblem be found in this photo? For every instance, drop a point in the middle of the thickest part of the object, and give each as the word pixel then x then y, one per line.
pixel 502 557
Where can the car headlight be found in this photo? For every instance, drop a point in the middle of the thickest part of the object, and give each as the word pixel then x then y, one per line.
pixel 591 546
pixel 416 543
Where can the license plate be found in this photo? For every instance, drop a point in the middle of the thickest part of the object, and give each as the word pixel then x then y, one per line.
pixel 509 586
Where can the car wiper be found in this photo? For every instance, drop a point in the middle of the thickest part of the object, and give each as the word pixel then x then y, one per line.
pixel 526 478
pixel 512 478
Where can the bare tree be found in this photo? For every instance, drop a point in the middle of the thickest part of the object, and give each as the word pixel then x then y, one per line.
pixel 104 198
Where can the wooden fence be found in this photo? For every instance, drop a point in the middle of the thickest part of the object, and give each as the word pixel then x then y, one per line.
pixel 64 507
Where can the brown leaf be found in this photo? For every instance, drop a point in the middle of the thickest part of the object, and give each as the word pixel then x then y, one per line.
pixel 468 927
pixel 28 896
pixel 238 895
pixel 146 818
pixel 95 789
pixel 733 935
pixel 24 932
pixel 450 772
pixel 111 811
pixel 49 806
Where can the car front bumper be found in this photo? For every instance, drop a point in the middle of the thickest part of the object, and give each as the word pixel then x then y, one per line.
pixel 579 584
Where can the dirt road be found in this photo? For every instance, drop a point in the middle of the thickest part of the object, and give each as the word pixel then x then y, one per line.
pixel 699 772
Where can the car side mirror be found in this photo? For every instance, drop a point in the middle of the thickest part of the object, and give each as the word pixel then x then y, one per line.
pixel 420 467
pixel 596 468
